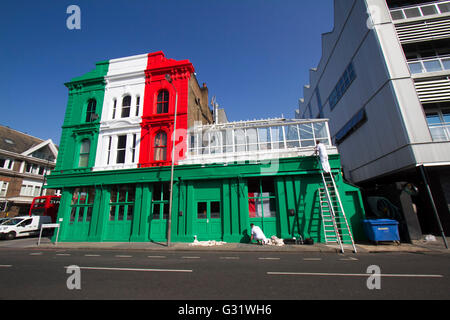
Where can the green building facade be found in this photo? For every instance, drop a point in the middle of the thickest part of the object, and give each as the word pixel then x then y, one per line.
pixel 229 174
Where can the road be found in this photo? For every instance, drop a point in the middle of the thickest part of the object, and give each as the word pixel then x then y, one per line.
pixel 177 275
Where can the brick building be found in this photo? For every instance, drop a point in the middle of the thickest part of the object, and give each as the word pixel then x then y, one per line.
pixel 24 163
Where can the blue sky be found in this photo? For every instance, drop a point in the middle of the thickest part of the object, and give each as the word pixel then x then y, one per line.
pixel 254 55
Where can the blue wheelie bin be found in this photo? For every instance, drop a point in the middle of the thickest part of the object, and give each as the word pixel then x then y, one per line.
pixel 382 230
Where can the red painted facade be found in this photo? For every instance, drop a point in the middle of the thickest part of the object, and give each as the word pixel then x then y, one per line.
pixel 154 123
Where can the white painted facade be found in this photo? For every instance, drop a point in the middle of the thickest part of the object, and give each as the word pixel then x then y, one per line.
pixel 126 77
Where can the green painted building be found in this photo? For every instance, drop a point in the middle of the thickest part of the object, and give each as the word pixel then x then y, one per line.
pixel 227 175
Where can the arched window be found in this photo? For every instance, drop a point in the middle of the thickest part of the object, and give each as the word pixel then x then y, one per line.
pixel 160 152
pixel 90 111
pixel 126 106
pixel 85 148
pixel 162 105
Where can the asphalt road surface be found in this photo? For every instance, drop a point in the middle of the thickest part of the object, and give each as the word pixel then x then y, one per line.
pixel 135 275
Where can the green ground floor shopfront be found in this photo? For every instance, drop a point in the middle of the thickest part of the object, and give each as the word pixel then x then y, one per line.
pixel 212 202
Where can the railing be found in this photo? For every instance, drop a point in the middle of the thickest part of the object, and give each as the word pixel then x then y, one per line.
pixel 429 65
pixel 423 10
pixel 263 138
pixel 440 132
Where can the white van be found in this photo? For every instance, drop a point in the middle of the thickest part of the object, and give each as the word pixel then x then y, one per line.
pixel 23 226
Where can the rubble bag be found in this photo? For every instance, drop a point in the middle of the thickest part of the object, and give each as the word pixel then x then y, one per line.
pixel 381 230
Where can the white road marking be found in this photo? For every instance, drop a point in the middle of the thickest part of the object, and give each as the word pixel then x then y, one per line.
pixel 36 254
pixel 5 265
pixel 349 259
pixel 123 256
pixel 312 259
pixel 230 258
pixel 269 258
pixel 63 254
pixel 92 255
pixel 156 257
pixel 355 274
pixel 190 257
pixel 132 269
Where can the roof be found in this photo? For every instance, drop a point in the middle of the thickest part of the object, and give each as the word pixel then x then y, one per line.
pixel 21 143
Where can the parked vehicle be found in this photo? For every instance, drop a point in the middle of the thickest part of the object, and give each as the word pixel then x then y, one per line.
pixel 23 226
pixel 3 220
pixel 45 206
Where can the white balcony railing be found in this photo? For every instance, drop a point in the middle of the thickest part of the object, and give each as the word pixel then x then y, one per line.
pixel 429 65
pixel 423 10
pixel 440 132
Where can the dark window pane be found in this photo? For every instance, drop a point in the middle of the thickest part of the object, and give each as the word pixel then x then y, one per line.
pixel 429 10
pixel 201 210
pixel 131 193
pixel 72 214
pixel 112 213
pixel 126 105
pixel 215 210
pixel 163 102
pixel 268 186
pixel 130 212
pixel 80 214
pixel 253 186
pixel 121 213
pixel 89 214
pixel 121 145
pixel 90 110
pixel 123 193
pixel 156 211
pixel 157 188
pixel 166 211
pixel 166 191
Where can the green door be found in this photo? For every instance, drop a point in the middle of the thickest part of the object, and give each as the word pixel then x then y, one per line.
pixel 208 225
pixel 262 205
pixel 80 214
pixel 121 210
pixel 159 212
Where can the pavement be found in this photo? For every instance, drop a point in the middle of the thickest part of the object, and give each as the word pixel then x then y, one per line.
pixel 414 247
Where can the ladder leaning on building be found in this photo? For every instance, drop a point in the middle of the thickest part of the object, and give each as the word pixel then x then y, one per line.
pixel 334 220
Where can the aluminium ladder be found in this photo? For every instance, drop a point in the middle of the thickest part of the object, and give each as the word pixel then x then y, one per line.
pixel 334 221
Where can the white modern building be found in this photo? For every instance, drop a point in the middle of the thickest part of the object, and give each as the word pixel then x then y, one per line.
pixel 384 82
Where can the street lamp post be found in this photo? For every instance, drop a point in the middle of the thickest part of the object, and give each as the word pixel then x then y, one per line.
pixel 169 222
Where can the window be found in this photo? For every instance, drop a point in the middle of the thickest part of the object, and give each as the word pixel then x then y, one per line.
pixel 351 126
pixel 92 103
pixel 3 188
pixel 6 163
pixel 109 150
pixel 160 152
pixel 84 153
pixel 261 198
pixel 162 105
pixel 342 86
pixel 438 119
pixel 82 204
pixel 121 148
pixel 133 149
pixel 138 102
pixel 126 106
pixel 160 201
pixel 208 210
pixel 114 109
pixel 122 203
